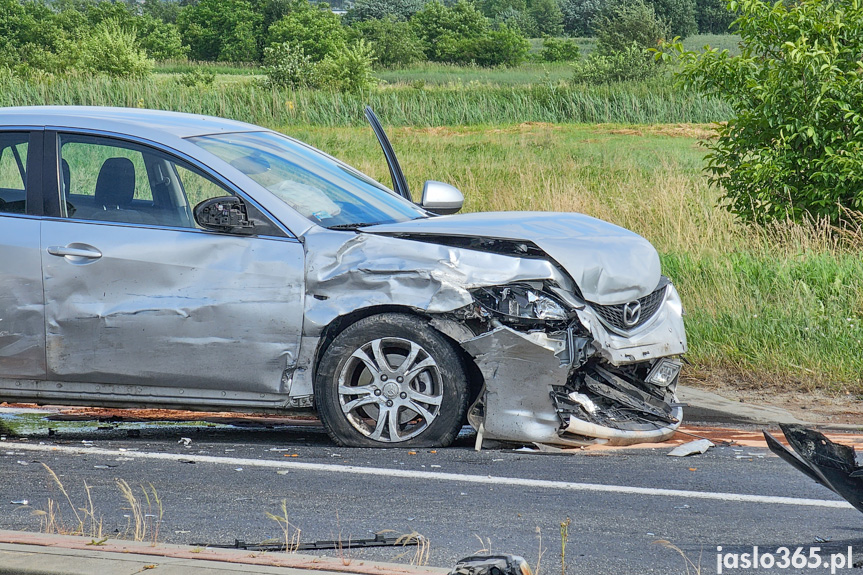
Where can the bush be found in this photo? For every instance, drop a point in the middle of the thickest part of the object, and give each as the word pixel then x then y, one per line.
pixel 287 66
pixel 630 64
pixel 794 146
pixel 314 27
pixel 394 43
pixel 559 50
pixel 196 77
pixel 623 23
pixel 461 34
pixel 350 71
pixel 579 16
pixel 113 51
pixel 502 47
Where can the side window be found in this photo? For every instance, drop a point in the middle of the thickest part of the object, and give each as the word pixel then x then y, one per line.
pixel 13 173
pixel 103 179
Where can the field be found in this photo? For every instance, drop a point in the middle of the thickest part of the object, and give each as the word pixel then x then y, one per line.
pixel 780 307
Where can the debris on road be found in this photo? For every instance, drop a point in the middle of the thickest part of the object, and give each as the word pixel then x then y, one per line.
pixel 692 448
pixel 492 565
pixel 834 465
pixel 379 540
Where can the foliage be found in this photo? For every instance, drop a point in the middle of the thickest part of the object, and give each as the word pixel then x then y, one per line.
pixel 312 26
pixel 548 17
pixel 461 34
pixel 678 14
pixel 579 15
pixel 393 42
pixel 794 147
pixel 713 16
pixel 349 71
pixel 111 50
pixel 517 20
pixel 161 40
pixel 623 23
pixel 630 64
pixel 197 77
pixel 363 10
pixel 287 66
pixel 559 50
pixel 223 30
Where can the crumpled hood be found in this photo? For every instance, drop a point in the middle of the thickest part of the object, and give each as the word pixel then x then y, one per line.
pixel 610 264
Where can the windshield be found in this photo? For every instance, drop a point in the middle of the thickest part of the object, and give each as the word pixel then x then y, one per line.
pixel 321 188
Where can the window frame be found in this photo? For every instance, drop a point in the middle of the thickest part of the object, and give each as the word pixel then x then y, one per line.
pixel 33 170
pixel 55 208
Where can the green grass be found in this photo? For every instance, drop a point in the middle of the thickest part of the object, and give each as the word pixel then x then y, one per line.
pixel 433 74
pixel 222 68
pixel 655 102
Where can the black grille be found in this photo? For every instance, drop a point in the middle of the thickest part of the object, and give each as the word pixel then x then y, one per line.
pixel 613 315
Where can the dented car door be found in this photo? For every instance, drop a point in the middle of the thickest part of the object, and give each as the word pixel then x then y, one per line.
pixel 22 318
pixel 138 297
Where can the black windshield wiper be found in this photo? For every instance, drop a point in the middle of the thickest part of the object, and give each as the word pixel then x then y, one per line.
pixel 351 226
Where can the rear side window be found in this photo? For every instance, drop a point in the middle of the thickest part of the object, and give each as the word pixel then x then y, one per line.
pixel 13 172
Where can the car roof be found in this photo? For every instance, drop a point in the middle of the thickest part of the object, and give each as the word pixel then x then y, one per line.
pixel 131 121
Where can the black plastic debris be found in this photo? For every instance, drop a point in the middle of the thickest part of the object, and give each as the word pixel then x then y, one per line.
pixel 833 465
pixel 492 565
pixel 379 540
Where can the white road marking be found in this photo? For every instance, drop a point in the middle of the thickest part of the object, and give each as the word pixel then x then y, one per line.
pixel 433 475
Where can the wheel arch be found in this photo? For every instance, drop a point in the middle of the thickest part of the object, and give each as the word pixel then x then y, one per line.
pixel 340 323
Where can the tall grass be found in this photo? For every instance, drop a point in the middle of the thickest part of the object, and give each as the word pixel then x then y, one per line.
pixel 455 105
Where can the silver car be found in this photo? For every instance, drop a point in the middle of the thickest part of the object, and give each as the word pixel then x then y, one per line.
pixel 161 259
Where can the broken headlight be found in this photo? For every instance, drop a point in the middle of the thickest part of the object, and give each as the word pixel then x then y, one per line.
pixel 664 373
pixel 520 302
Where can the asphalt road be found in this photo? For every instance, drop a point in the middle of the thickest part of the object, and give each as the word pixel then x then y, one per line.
pixel 221 485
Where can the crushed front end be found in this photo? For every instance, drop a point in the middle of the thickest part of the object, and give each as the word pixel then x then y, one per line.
pixel 559 369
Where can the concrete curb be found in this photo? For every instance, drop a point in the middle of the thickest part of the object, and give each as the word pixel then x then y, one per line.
pixel 708 407
pixel 37 553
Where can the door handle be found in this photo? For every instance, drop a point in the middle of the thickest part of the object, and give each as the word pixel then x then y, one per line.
pixel 80 251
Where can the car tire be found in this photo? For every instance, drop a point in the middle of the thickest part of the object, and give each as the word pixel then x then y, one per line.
pixel 390 380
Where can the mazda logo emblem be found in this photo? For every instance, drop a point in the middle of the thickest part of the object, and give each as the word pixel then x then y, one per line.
pixel 631 313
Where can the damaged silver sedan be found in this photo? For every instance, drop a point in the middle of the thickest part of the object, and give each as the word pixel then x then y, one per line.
pixel 162 259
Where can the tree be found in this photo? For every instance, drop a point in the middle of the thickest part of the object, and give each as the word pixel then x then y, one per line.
pixel 379 9
pixel 548 17
pixel 160 39
pixel 623 23
pixel 579 15
pixel 794 145
pixel 713 16
pixel 446 30
pixel 111 50
pixel 314 27
pixel 225 30
pixel 393 42
pixel 679 14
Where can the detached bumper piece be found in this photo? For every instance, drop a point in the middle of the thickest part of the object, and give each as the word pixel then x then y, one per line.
pixel 491 565
pixel 833 465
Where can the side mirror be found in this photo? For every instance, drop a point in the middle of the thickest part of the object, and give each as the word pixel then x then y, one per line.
pixel 224 214
pixel 440 198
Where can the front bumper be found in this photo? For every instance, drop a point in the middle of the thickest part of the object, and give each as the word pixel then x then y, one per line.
pixel 569 389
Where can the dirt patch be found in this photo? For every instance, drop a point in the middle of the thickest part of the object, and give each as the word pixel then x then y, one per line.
pixel 700 131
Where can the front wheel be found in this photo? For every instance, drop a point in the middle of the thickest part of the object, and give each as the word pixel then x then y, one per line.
pixel 391 380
